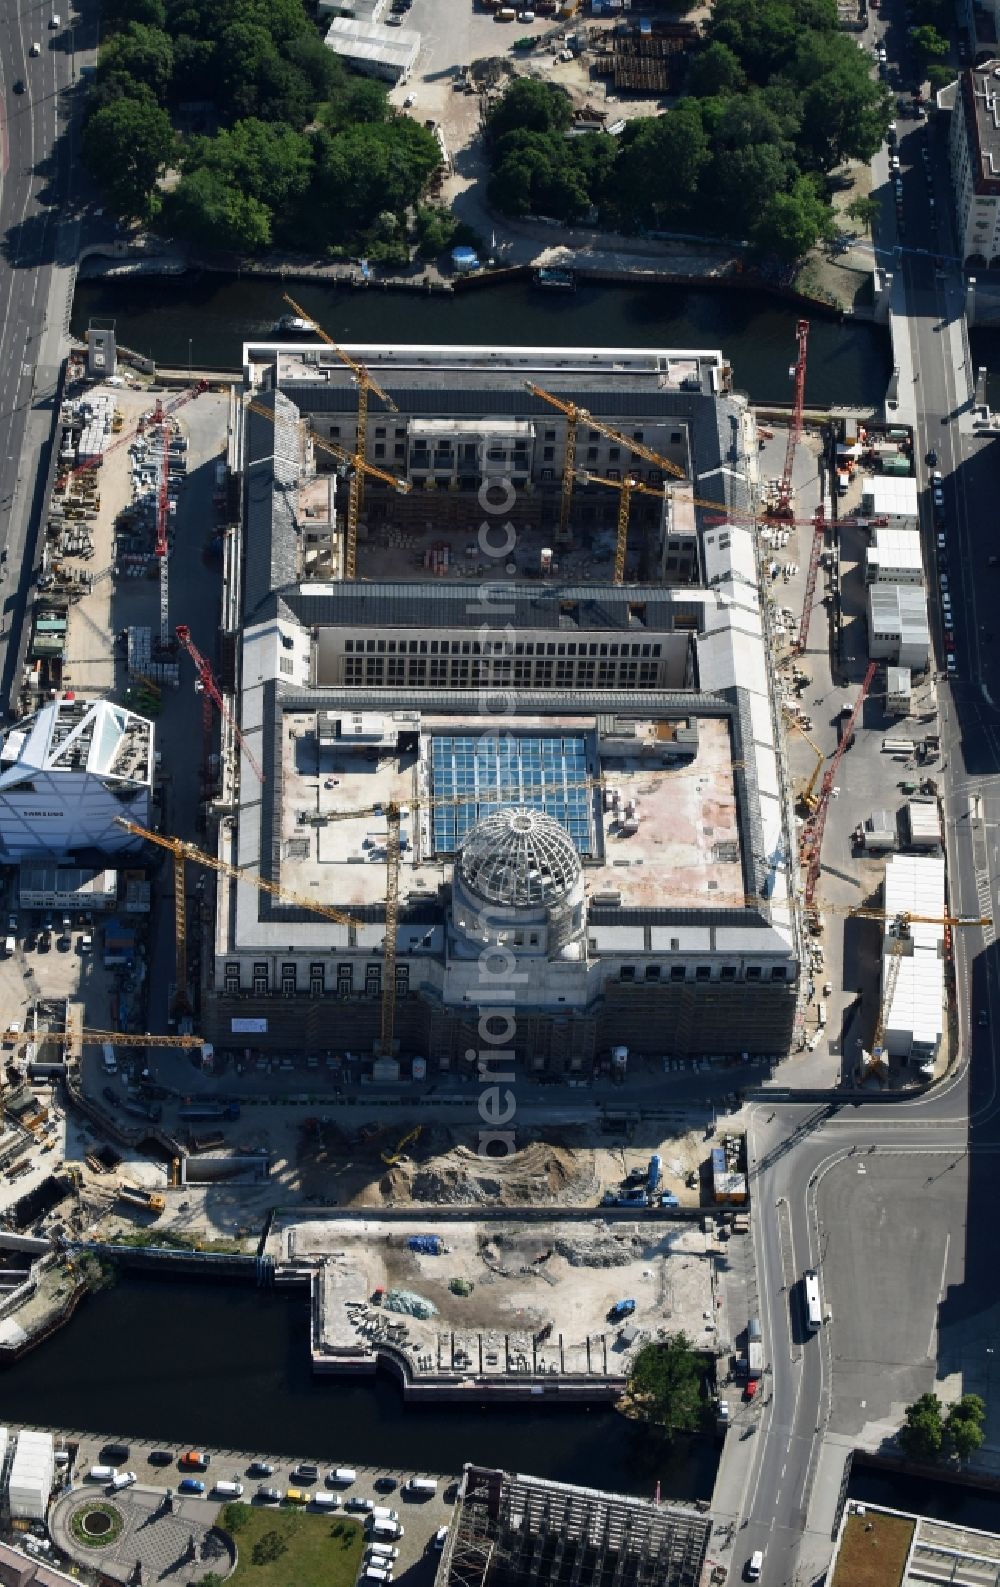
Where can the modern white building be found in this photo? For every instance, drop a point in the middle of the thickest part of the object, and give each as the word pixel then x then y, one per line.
pixel 891 498
pixel 894 557
pixel 914 1022
pixel 67 773
pixel 373 48
pixel 31 1472
pixel 974 150
pixel 898 630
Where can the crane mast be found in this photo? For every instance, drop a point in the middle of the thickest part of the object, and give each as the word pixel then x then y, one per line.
pixel 783 508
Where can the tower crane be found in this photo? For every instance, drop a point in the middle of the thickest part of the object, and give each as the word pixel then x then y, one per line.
pixel 815 552
pixel 96 1038
pixel 211 691
pixel 161 411
pixel 783 508
pixel 574 415
pixel 626 488
pixel 366 383
pixel 812 833
pixel 358 464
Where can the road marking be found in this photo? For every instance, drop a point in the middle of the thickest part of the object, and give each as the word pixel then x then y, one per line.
pixel 944 1269
pixel 862 1169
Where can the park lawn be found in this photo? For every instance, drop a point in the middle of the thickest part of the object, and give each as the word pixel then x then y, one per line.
pixel 875 1557
pixel 320 1550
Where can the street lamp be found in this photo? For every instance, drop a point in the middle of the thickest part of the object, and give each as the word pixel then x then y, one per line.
pixel 190 340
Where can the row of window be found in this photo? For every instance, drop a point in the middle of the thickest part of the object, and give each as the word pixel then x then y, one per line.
pixel 702 972
pixel 399 432
pixel 499 647
pixel 288 979
pixel 378 671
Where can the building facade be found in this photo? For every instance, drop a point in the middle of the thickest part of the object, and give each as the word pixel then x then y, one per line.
pixel 974 154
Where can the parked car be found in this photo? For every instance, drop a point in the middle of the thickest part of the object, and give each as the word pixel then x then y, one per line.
pixel 160 1457
pixel 305 1472
pixel 266 1495
pixel 386 1485
pixel 190 1485
pixel 260 1468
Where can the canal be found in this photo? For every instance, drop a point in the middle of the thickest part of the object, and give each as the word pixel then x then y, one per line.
pixel 203 319
pixel 189 1363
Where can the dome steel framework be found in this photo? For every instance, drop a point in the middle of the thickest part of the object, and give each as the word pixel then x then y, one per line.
pixel 519 858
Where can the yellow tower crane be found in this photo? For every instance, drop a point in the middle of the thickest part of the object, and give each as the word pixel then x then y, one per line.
pixel 366 383
pixel 626 486
pixel 96 1038
pixel 359 465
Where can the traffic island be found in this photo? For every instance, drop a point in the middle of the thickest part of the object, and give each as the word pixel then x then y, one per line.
pixel 96 1525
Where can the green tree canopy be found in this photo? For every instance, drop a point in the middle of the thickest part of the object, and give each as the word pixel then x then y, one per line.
pixel 660 166
pixel 141 52
pixel 793 222
pixel 206 208
pixel 127 146
pixel 664 1389
pixel 364 170
pixel 922 1435
pixel 715 70
pixel 529 105
pixel 927 45
pixel 116 13
pixel 865 209
pixel 963 1428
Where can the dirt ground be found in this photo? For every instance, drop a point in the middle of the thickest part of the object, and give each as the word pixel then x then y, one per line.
pixel 441 1167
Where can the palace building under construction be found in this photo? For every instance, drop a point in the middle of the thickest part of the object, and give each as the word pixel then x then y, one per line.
pixel 483 696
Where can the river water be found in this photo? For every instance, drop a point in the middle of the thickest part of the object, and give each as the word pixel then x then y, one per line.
pixel 204 319
pixel 189 1363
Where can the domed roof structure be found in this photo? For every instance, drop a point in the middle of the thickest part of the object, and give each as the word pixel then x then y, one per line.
pixel 520 859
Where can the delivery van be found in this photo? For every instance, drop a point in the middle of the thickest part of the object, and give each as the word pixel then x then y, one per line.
pixel 381 1512
pixel 229 1490
pixel 326 1501
pixel 343 1476
pixel 385 1531
pixel 421 1487
pixel 102 1473
pixel 110 1061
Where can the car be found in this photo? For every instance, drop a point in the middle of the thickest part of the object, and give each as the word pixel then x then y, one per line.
pixel 112 1097
pixel 951 666
pixel 949 641
pixel 19 85
pixel 942 562
pixel 526 16
pixel 894 162
pixel 115 1454
pixel 440 1537
pixel 44 942
pixel 194 1459
pixel 36 49
pixel 941 542
pixel 260 1468
pixel 122 1479
pixel 55 21
pixel 160 1457
pixel 386 1484
pixel 937 477
pixel 393 21
pixel 190 1485
pixel 305 1472
pixel 948 621
pixel 266 1495
pixel 297 1496
pixel 938 495
pixel 410 99
pixel 931 459
pixel 943 580
pixel 983 1017
pixel 754 1565
pixel 358 1502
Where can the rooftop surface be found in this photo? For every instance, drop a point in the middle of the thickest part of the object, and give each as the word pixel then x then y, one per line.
pixel 686 851
pixel 981 88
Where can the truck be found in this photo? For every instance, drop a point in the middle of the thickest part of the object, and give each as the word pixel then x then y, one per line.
pixel 626 1198
pixel 655 1169
pixel 426 1244
pixel 620 1310
pixel 755 1359
pixel 191 1112
pixel 148 1200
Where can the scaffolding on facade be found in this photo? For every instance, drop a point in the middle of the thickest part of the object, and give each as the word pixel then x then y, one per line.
pixel 514 1531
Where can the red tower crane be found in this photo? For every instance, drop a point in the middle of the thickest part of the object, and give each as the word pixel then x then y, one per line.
pixel 156 418
pixel 211 691
pixel 783 509
pixel 819 534
pixel 812 832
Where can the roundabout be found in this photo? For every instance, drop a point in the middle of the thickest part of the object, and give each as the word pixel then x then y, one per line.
pixel 96 1524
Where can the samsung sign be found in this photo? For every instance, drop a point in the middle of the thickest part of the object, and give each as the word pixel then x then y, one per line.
pixel 248 1027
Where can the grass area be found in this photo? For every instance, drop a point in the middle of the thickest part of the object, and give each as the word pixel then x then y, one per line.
pixel 873 1550
pixel 281 1546
pixel 85 1524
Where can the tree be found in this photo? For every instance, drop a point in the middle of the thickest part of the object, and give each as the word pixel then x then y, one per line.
pixel 116 13
pixel 364 170
pixel 142 52
pixel 660 166
pixel 746 180
pixel 235 1517
pixel 845 112
pixel 963 1428
pixel 529 105
pixel 927 45
pixel 865 210
pixel 206 208
pixel 664 1389
pixel 922 1434
pixel 269 162
pixel 715 70
pixel 127 146
pixel 793 222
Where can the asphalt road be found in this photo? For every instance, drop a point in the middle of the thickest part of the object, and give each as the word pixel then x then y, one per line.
pixel 892 1204
pixel 38 238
